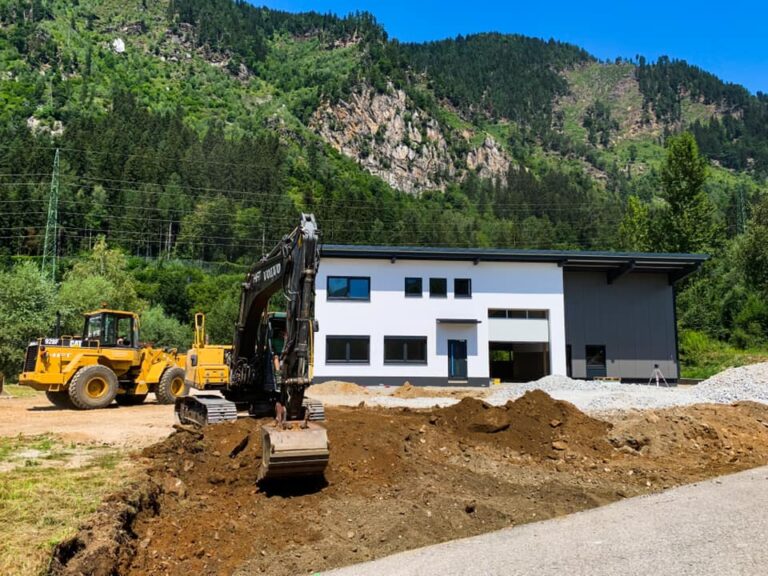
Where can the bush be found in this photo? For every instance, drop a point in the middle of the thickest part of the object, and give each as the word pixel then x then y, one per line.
pixel 27 310
pixel 161 330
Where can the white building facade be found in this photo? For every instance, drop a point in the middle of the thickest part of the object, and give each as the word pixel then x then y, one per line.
pixel 441 317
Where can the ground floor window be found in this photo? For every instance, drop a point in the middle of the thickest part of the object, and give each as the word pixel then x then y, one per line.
pixel 347 349
pixel 405 349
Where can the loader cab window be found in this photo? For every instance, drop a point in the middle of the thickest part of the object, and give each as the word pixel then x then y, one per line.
pixel 125 335
pixel 111 330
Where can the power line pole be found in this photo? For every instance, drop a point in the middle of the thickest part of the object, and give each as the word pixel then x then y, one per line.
pixel 51 246
pixel 741 210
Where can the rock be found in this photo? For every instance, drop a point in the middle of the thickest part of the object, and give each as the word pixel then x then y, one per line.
pixel 393 139
pixel 175 486
pixel 555 423
pixel 560 445
pixel 118 45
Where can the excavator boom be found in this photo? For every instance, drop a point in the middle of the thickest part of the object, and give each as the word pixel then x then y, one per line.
pixel 267 380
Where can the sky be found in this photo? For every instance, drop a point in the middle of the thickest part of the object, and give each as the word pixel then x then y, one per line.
pixel 729 39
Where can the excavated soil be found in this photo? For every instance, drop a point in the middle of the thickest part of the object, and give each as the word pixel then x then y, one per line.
pixel 398 480
pixel 408 390
pixel 336 387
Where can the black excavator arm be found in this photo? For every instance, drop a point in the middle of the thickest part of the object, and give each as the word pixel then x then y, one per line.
pixel 291 266
pixel 293 445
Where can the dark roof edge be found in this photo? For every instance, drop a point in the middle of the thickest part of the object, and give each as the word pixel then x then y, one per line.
pixel 561 257
pixel 676 266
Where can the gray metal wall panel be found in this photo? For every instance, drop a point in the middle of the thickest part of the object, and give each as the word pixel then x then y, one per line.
pixel 633 317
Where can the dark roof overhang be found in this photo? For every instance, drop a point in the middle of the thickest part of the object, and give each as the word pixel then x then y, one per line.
pixel 613 264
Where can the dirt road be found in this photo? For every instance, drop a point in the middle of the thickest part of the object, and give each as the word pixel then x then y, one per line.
pixel 126 426
pixel 398 480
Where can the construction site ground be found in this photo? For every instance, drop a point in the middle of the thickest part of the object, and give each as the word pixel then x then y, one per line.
pixel 398 478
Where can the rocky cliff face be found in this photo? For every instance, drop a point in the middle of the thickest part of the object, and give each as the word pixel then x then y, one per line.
pixel 400 143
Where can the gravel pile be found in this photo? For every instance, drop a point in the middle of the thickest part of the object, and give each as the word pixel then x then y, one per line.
pixel 734 384
pixel 595 396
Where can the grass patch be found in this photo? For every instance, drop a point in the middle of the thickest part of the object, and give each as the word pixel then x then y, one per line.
pixel 702 356
pixel 43 502
pixel 20 391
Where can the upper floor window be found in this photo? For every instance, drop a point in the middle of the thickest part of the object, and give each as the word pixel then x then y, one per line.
pixel 349 288
pixel 413 287
pixel 438 288
pixel 462 288
pixel 518 314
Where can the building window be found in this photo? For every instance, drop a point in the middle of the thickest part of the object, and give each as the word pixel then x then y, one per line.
pixel 347 349
pixel 438 288
pixel 413 287
pixel 349 288
pixel 518 314
pixel 405 349
pixel 462 288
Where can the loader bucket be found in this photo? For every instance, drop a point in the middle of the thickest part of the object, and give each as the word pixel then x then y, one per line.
pixel 294 451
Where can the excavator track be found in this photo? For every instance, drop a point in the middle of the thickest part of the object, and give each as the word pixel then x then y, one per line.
pixel 296 449
pixel 314 409
pixel 205 409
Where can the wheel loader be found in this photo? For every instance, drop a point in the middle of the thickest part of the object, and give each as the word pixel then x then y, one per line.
pixel 107 363
pixel 269 364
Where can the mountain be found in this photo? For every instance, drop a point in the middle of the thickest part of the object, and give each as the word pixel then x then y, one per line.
pixel 200 128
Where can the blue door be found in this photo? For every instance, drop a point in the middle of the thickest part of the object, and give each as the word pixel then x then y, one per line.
pixel 457 359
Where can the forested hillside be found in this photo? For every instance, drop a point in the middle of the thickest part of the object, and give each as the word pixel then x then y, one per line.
pixel 191 133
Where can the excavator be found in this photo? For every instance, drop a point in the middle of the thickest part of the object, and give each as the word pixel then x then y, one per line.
pixel 268 367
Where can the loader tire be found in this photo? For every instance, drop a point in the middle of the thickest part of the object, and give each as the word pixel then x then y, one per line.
pixel 130 399
pixel 59 399
pixel 171 386
pixel 93 387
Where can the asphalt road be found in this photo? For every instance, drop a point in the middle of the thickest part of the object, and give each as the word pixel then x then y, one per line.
pixel 717 527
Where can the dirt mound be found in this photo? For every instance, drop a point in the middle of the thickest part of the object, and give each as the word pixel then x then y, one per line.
pixel 398 480
pixel 408 390
pixel 336 387
pixel 534 424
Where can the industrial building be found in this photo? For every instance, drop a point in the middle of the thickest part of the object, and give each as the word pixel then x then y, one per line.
pixel 455 316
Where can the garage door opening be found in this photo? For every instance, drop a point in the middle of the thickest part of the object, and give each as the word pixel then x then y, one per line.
pixel 519 361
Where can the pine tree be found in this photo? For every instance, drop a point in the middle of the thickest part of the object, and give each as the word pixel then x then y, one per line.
pixel 688 223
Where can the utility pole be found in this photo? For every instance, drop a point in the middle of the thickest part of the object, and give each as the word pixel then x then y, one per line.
pixel 741 210
pixel 51 245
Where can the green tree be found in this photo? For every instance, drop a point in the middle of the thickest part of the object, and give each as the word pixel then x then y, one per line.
pixel 27 309
pixel 163 330
pixel 101 279
pixel 689 223
pixel 219 298
pixel 755 248
pixel 634 230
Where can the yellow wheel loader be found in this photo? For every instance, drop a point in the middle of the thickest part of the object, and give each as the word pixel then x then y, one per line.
pixel 107 363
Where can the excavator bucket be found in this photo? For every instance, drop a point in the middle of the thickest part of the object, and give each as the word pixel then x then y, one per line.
pixel 293 451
